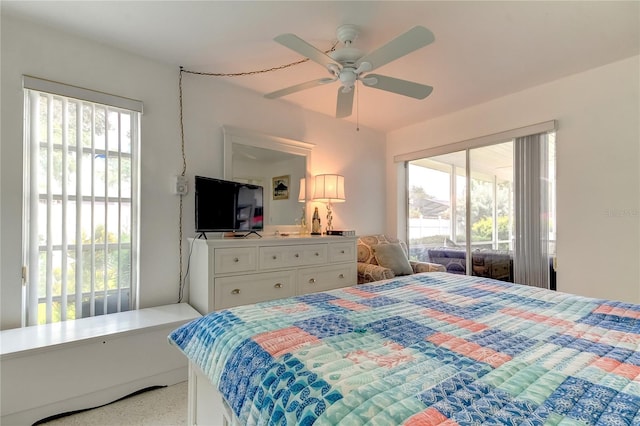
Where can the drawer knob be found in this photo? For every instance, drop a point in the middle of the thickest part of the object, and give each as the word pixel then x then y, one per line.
pixel 312 281
pixel 275 257
pixel 278 285
pixel 317 254
pixel 236 260
pixel 297 255
pixel 341 276
pixel 235 291
pixel 341 251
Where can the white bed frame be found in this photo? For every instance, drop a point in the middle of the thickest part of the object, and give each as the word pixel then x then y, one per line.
pixel 206 406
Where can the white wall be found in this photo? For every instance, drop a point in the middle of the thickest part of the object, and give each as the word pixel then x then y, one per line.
pixel 209 103
pixel 598 169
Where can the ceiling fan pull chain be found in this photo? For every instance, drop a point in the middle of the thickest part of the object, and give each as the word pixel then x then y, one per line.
pixel 357 106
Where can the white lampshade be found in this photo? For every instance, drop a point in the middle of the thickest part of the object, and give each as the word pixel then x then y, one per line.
pixel 302 196
pixel 329 189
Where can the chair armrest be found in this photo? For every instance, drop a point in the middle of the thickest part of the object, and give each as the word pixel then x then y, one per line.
pixel 426 267
pixel 369 273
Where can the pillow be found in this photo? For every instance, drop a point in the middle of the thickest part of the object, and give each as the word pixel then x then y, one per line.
pixel 393 257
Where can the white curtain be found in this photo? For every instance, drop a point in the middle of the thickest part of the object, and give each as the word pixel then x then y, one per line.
pixel 531 181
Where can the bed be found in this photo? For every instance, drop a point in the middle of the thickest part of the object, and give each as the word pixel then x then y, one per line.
pixel 424 349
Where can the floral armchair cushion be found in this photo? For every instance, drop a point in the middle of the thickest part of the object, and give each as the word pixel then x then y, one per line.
pixel 368 268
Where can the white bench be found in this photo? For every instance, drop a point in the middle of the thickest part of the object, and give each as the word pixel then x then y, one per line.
pixel 56 368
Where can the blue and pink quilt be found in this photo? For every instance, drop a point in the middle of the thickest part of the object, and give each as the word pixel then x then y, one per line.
pixel 426 349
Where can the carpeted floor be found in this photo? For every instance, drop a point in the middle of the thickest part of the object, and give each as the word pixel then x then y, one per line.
pixel 158 407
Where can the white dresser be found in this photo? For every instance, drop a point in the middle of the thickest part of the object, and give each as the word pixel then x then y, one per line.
pixel 231 272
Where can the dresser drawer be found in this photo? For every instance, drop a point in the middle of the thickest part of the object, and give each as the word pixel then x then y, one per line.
pixel 292 256
pixel 246 289
pixel 240 259
pixel 315 254
pixel 280 257
pixel 324 278
pixel 342 252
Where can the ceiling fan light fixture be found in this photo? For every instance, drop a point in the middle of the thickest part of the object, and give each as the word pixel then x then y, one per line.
pixel 369 81
pixel 333 69
pixel 364 67
pixel 348 77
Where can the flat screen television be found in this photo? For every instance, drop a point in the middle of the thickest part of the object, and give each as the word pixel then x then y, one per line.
pixel 226 206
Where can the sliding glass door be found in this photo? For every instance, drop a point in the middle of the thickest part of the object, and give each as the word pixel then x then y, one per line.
pixel 462 210
pixel 437 192
pixel 491 211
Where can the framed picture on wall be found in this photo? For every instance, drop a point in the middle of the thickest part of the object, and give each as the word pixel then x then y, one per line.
pixel 280 187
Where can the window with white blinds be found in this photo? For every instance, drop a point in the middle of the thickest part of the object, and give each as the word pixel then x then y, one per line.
pixel 81 201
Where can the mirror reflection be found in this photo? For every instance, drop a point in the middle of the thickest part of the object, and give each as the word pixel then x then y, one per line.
pixel 276 164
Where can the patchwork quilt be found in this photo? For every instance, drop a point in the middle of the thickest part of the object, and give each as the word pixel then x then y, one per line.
pixel 425 349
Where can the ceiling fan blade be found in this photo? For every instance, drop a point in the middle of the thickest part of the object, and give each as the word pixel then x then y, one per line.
pixel 299 87
pixel 297 44
pixel 413 39
pixel 396 85
pixel 345 103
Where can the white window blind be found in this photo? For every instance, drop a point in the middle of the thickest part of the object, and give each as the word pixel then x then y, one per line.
pixel 81 195
pixel 533 188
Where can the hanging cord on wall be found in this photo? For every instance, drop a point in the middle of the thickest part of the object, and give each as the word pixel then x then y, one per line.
pixel 182 279
pixel 184 171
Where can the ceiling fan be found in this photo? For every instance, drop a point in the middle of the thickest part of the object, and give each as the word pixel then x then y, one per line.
pixel 349 64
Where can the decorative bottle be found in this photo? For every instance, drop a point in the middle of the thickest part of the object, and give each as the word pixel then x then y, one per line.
pixel 315 223
pixel 303 223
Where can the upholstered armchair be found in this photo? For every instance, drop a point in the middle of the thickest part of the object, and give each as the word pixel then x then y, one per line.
pixel 381 257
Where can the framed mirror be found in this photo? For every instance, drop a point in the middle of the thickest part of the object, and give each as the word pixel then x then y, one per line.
pixel 277 164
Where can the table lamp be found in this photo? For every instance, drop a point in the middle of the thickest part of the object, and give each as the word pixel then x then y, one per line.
pixel 329 189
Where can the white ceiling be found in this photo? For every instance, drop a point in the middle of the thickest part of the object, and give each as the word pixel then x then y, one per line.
pixel 482 50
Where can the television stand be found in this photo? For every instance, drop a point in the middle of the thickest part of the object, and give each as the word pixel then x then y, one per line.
pixel 247 234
